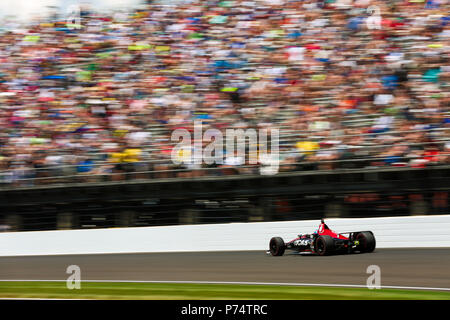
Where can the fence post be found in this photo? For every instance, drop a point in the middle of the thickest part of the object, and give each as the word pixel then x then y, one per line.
pixel 418 208
pixel 188 216
pixel 335 210
pixel 64 221
pixel 14 222
pixel 125 219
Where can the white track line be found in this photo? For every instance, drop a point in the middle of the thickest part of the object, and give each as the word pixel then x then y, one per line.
pixel 242 283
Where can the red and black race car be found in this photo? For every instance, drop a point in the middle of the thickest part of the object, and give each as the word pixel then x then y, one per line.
pixel 325 242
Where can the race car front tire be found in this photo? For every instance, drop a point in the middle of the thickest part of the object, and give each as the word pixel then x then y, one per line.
pixel 277 246
pixel 324 246
pixel 366 240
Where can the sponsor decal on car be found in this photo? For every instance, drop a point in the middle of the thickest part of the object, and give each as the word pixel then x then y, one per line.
pixel 303 242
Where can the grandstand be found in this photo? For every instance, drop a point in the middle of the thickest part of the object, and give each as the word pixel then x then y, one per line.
pixel 96 103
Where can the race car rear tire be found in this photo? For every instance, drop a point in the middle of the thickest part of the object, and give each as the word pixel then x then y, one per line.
pixel 277 246
pixel 324 246
pixel 366 240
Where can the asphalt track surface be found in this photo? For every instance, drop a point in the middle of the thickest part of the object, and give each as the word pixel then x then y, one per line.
pixel 399 267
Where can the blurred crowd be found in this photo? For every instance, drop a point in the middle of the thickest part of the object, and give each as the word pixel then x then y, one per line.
pixel 349 84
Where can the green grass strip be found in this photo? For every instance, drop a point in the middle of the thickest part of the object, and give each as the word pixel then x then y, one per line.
pixel 181 291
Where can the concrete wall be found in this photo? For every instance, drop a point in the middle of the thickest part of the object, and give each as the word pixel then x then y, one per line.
pixel 394 232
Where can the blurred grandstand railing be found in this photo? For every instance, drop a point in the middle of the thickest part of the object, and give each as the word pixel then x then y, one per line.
pixel 366 157
pixel 390 191
pixel 67 174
